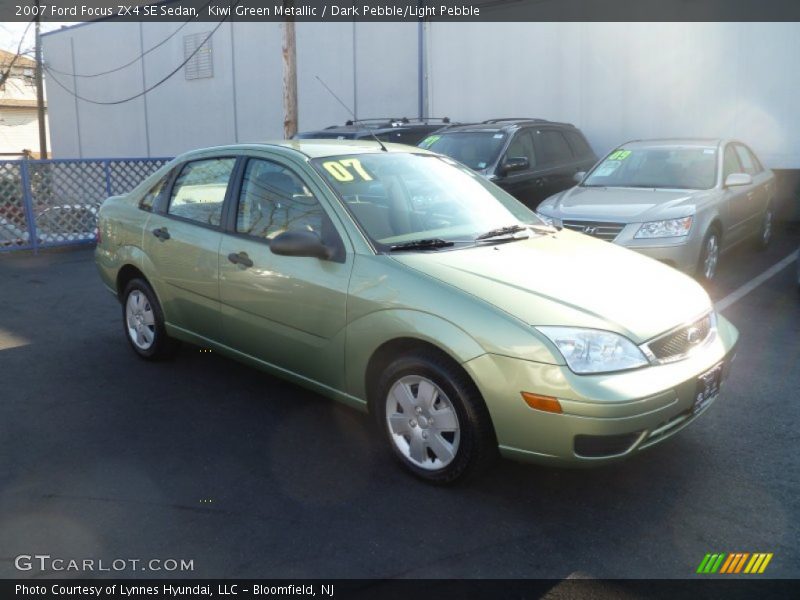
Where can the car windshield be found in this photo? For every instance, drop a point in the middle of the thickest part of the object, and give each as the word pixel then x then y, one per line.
pixel 476 149
pixel 404 197
pixel 662 167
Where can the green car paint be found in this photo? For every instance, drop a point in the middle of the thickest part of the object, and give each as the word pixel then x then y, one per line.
pixel 321 323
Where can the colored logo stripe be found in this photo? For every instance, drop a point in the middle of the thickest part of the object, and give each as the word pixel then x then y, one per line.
pixel 734 563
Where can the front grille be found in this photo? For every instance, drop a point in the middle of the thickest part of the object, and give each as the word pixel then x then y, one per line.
pixel 599 229
pixel 676 344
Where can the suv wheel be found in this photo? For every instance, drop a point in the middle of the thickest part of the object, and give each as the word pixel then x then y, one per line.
pixel 434 418
pixel 143 322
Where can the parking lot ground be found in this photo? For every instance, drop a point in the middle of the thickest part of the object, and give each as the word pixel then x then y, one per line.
pixel 103 455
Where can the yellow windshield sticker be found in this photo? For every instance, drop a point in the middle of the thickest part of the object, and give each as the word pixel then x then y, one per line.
pixel 620 155
pixel 346 170
pixel 429 141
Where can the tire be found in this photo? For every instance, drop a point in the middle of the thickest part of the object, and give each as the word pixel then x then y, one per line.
pixel 709 256
pixel 765 231
pixel 143 322
pixel 440 442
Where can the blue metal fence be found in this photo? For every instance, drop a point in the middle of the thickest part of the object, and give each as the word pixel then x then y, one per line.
pixel 47 203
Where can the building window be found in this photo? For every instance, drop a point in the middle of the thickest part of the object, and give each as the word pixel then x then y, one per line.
pixel 201 65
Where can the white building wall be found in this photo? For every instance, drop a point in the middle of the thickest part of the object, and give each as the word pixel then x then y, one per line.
pixel 619 81
pixel 243 100
pixel 616 81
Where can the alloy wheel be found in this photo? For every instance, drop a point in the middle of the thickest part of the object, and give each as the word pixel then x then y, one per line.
pixel 711 257
pixel 766 228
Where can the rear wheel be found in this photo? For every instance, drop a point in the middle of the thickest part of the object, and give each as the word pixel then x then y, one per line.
pixel 434 418
pixel 143 321
pixel 709 257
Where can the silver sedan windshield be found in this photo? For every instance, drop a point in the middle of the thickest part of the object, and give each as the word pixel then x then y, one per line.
pixel 662 167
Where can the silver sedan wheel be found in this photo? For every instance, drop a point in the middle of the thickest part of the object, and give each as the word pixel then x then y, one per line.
pixel 711 256
pixel 766 228
pixel 422 422
pixel 140 320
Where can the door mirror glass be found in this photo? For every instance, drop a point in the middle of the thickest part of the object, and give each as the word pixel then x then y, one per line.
pixel 735 179
pixel 300 243
pixel 515 163
pixel 578 177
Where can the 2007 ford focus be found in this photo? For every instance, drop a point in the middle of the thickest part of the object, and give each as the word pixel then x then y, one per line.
pixel 402 283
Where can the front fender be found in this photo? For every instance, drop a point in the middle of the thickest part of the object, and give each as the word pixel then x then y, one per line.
pixel 368 333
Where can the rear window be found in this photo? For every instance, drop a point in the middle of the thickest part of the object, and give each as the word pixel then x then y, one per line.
pixel 579 145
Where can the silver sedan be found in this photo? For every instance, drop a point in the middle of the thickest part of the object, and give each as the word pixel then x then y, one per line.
pixel 680 201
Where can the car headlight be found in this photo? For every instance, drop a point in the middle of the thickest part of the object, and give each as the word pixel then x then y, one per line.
pixel 594 350
pixel 662 229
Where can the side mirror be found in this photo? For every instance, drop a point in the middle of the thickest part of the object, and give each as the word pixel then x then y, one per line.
pixel 735 179
pixel 515 163
pixel 300 243
pixel 578 177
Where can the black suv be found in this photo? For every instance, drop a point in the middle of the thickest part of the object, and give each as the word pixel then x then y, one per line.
pixel 401 131
pixel 531 159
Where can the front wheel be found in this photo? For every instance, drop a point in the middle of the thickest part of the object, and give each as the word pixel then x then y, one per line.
pixel 709 257
pixel 433 418
pixel 143 322
pixel 765 233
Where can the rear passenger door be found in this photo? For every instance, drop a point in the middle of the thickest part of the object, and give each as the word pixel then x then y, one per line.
pixel 288 311
pixel 585 158
pixel 182 238
pixel 556 162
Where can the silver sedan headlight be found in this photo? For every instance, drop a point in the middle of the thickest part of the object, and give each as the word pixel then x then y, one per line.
pixel 595 350
pixel 663 229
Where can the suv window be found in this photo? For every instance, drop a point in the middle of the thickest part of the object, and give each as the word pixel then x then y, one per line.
pixel 552 147
pixel 522 146
pixel 151 197
pixel 273 200
pixel 200 190
pixel 749 162
pixel 730 162
pixel 579 146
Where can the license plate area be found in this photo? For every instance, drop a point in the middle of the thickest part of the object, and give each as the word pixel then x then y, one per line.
pixel 707 388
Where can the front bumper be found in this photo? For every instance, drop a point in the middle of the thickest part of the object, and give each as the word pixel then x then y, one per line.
pixel 605 417
pixel 680 253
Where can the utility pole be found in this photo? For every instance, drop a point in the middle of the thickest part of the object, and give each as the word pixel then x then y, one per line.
pixel 289 75
pixel 40 91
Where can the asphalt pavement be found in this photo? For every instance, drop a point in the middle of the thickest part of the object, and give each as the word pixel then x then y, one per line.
pixel 105 456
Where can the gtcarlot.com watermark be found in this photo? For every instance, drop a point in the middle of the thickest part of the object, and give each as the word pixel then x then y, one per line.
pixel 55 564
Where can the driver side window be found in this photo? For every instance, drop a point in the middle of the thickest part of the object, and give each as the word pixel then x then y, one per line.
pixel 730 162
pixel 521 146
pixel 273 200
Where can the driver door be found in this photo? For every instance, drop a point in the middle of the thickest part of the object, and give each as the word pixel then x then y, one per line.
pixel 285 310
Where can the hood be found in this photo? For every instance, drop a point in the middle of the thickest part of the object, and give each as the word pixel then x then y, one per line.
pixel 628 205
pixel 571 280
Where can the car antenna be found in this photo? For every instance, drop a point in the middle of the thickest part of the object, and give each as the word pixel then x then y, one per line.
pixel 347 108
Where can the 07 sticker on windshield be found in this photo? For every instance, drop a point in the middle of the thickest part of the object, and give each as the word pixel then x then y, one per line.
pixel 347 170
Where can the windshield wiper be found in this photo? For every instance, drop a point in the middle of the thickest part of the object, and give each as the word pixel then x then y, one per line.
pixel 507 230
pixel 425 244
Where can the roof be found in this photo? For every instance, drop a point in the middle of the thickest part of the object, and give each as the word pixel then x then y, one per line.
pixel 504 124
pixel 319 148
pixel 22 61
pixel 697 142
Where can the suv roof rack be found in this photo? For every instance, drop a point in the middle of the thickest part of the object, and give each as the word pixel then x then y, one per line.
pixel 392 120
pixel 490 121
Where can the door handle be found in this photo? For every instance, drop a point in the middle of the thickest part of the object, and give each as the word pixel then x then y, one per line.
pixel 161 233
pixel 240 259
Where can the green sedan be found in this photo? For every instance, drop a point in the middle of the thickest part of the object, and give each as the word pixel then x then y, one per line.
pixel 399 282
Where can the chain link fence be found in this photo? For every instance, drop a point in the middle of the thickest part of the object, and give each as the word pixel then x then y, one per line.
pixel 46 203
